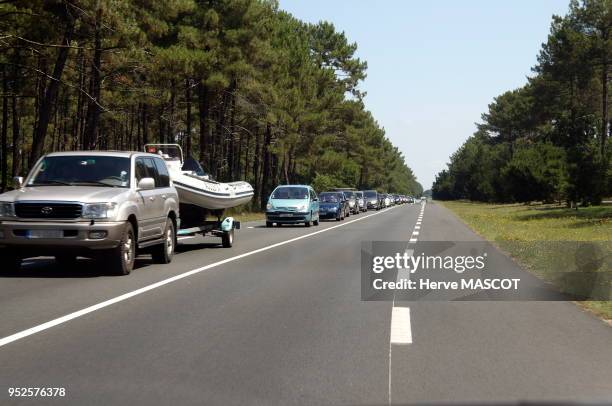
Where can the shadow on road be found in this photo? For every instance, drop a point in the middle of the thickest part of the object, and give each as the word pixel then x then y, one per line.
pixel 197 246
pixel 46 267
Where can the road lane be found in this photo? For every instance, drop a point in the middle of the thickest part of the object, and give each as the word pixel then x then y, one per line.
pixel 286 326
pixel 42 291
pixel 499 351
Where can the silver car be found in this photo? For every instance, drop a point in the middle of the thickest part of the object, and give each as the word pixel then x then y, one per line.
pixel 104 205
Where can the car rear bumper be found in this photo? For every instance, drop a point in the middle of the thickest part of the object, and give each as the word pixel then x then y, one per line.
pixel 287 217
pixel 76 237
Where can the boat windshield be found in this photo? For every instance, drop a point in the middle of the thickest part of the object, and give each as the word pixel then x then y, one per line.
pixel 168 152
pixel 194 166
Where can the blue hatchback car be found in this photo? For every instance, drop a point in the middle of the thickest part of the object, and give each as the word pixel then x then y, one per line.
pixel 293 204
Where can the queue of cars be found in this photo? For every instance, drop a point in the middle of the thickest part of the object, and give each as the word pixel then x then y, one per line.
pixel 112 205
pixel 300 204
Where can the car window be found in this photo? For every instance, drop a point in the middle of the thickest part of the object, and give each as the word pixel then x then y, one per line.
pixel 152 170
pixel 328 198
pixel 290 192
pixel 140 170
pixel 82 170
pixel 162 172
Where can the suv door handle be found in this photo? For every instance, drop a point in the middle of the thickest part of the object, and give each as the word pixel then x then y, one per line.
pixel 151 198
pixel 164 197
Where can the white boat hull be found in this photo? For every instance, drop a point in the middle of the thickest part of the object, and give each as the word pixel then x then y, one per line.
pixel 211 195
pixel 200 190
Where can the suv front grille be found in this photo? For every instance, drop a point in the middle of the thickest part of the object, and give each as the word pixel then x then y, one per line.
pixel 48 210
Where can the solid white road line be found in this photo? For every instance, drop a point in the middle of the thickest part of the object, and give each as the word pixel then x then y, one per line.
pixel 413 240
pixel 401 332
pixel 60 320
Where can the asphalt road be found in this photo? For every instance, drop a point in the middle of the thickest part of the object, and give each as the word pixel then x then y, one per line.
pixel 278 319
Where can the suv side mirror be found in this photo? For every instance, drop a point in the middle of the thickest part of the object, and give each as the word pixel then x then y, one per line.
pixel 146 184
pixel 18 182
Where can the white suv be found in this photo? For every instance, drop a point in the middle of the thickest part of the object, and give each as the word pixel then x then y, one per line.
pixel 96 204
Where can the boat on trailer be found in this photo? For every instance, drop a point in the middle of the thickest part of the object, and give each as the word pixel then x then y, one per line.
pixel 194 186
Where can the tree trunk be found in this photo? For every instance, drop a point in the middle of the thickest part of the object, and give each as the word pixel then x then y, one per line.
pixel 604 105
pixel 16 139
pixel 93 108
pixel 3 140
pixel 161 127
pixel 171 130
pixel 256 156
pixel 145 126
pixel 203 115
pixel 265 178
pixel 50 95
pixel 232 167
pixel 187 136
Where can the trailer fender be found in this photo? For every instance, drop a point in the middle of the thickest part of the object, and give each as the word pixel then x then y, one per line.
pixel 227 224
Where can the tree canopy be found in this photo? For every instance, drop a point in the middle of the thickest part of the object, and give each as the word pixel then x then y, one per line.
pixel 246 88
pixel 546 141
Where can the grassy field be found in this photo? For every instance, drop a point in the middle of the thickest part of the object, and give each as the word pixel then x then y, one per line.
pixel 545 238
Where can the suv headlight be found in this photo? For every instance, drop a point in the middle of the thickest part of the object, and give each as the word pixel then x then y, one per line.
pixel 302 208
pixel 98 210
pixel 7 209
pixel 269 206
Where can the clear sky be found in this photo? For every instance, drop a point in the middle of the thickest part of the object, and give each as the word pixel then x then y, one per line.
pixel 434 66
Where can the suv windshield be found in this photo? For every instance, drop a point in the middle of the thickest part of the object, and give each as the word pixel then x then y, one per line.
pixel 370 194
pixel 82 170
pixel 290 193
pixel 349 195
pixel 328 198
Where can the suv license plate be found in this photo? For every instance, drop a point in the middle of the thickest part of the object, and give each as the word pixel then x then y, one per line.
pixel 44 234
pixel 286 215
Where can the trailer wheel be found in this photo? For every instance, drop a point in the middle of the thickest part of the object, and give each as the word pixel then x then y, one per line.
pixel 227 239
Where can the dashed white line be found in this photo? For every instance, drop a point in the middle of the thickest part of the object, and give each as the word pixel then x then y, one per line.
pixel 401 331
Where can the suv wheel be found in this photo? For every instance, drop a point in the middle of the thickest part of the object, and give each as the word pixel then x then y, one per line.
pixel 66 260
pixel 10 261
pixel 163 253
pixel 268 224
pixel 316 222
pixel 121 258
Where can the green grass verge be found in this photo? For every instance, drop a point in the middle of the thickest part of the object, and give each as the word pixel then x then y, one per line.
pixel 244 215
pixel 534 236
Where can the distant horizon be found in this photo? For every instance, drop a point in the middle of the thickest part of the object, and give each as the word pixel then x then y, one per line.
pixel 431 109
